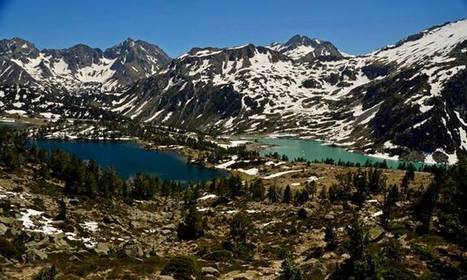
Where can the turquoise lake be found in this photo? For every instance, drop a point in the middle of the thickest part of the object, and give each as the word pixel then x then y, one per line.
pixel 314 150
pixel 128 158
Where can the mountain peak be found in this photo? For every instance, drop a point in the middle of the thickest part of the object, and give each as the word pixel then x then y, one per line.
pixel 83 47
pixel 301 47
pixel 301 40
pixel 17 47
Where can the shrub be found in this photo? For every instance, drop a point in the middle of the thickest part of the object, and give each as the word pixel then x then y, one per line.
pixel 47 273
pixel 192 226
pixel 182 267
pixel 241 226
pixel 7 249
pixel 220 256
pixel 290 271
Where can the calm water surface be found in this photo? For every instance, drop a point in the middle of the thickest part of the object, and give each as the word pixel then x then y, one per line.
pixel 314 150
pixel 128 158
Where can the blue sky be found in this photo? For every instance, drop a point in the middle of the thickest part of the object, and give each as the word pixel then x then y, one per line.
pixel 356 27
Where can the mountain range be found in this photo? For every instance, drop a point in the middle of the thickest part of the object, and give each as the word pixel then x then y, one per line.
pixel 408 100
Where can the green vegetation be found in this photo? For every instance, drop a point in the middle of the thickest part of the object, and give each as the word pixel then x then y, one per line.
pixel 182 267
pixel 357 186
pixel 192 226
pixel 47 273
pixel 290 271
pixel 429 225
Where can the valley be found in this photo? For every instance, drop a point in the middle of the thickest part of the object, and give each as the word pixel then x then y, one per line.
pixel 285 161
pixel 67 218
pixel 379 103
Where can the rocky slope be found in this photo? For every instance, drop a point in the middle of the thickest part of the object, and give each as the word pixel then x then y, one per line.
pixel 406 100
pixel 42 226
pixel 80 66
pixel 73 82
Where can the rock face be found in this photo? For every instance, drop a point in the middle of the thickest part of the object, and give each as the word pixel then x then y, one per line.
pixel 75 82
pixel 398 100
pixel 302 48
pixel 407 100
pixel 80 66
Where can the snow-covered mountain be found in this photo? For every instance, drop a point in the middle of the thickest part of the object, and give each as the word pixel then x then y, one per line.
pixel 408 100
pixel 79 67
pixel 300 47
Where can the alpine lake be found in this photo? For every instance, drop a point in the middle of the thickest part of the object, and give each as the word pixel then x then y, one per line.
pixel 128 158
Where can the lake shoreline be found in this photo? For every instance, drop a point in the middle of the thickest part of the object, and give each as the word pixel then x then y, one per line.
pixel 129 158
pixel 259 146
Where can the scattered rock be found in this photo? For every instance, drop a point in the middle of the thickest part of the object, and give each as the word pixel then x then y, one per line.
pixel 329 216
pixel 35 255
pixel 210 271
pixel 3 229
pixel 304 213
pixel 132 249
pixel 164 277
pixel 7 220
pixel 102 248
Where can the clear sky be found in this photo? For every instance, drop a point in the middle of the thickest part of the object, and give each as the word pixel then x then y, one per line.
pixel 354 26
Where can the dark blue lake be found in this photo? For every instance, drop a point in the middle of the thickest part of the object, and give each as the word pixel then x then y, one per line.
pixel 128 158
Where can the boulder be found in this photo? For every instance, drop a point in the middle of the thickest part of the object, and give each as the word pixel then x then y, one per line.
pixel 210 271
pixel 170 227
pixel 37 243
pixel 164 277
pixel 7 220
pixel 375 233
pixel 132 249
pixel 329 216
pixel 3 229
pixel 102 248
pixel 165 232
pixel 61 243
pixel 35 255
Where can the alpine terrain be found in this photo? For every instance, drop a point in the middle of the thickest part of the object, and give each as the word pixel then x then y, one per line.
pixel 408 100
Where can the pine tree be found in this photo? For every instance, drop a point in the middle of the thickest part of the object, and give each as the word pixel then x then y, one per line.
pixel 273 195
pixel 390 199
pixel 302 197
pixel 330 237
pixel 311 189
pixel 405 185
pixel 287 196
pixel 257 190
pixel 192 226
pixel 235 186
pixel 358 240
pixel 410 171
pixel 62 212
pixel 425 207
pixel 323 194
pixel 241 226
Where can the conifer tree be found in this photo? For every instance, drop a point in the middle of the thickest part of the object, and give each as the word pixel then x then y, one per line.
pixel 390 199
pixel 192 226
pixel 257 190
pixel 330 236
pixel 273 194
pixel 287 196
pixel 241 226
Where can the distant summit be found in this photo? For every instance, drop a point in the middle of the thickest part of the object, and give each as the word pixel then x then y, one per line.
pixel 301 47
